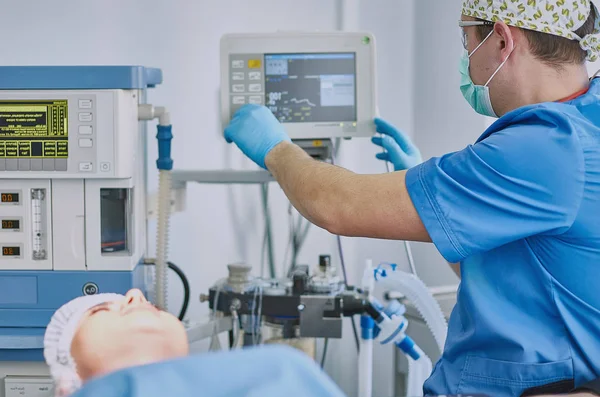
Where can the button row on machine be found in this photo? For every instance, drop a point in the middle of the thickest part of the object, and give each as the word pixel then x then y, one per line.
pixel 240 76
pixel 89 167
pixel 241 100
pixel 241 88
pixel 33 164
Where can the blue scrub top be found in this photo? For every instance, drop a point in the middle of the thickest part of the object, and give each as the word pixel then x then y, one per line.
pixel 520 210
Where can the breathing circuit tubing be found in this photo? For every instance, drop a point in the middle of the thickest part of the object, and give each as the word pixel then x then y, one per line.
pixel 392 278
pixel 164 163
pixel 419 365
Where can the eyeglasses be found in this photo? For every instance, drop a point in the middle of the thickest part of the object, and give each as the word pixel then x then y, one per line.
pixel 464 24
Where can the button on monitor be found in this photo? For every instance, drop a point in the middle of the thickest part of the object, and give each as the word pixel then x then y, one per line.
pixel 86 143
pixel 85 167
pixel 255 100
pixel 254 63
pixel 85 117
pixel 85 130
pixel 254 88
pixel 85 104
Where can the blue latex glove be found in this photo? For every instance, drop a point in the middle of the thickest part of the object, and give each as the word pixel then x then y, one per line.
pixel 255 130
pixel 399 150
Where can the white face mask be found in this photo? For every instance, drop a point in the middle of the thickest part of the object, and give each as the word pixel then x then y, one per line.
pixel 478 96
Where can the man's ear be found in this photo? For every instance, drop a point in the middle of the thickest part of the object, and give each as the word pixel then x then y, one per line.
pixel 507 36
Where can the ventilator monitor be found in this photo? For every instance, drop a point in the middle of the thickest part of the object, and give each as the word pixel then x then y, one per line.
pixel 320 85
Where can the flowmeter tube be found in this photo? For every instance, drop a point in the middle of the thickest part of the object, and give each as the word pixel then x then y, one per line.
pixel 38 224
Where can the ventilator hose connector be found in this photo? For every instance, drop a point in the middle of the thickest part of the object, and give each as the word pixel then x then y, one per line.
pixel 164 165
pixel 416 292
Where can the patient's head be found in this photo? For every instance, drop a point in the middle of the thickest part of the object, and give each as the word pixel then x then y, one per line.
pixel 94 335
pixel 125 333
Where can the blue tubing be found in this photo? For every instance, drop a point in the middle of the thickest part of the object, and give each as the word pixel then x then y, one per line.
pixel 164 137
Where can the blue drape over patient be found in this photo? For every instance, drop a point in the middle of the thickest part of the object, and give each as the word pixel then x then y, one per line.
pixel 265 372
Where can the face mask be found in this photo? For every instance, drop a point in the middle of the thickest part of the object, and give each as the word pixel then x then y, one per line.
pixel 478 96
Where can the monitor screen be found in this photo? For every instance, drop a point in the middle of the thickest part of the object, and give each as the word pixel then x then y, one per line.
pixel 34 129
pixel 311 87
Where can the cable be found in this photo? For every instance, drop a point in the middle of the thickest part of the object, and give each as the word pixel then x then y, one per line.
pixel 411 261
pixel 186 287
pixel 268 235
pixel 262 254
pixel 231 338
pixel 324 352
pixel 215 344
pixel 286 270
pixel 343 263
pixel 236 322
pixel 341 251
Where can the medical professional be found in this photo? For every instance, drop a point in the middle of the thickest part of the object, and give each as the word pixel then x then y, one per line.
pixel 519 210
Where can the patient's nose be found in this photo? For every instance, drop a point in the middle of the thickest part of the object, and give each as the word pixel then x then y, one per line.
pixel 135 297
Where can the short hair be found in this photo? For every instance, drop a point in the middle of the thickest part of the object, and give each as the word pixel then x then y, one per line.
pixel 554 50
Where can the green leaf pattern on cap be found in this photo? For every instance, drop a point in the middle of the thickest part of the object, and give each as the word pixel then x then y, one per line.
pixel 558 17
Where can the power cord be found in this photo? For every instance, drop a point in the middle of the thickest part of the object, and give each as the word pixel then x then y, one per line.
pixel 324 352
pixel 186 287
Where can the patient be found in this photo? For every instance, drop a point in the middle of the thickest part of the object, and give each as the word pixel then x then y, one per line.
pixel 98 334
pixel 121 346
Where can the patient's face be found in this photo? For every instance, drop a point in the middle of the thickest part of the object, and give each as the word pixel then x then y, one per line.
pixel 126 333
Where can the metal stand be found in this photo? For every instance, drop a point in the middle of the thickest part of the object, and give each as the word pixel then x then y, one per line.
pixel 220 177
pixel 200 331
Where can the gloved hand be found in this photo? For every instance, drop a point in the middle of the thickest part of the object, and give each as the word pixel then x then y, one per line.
pixel 399 150
pixel 255 130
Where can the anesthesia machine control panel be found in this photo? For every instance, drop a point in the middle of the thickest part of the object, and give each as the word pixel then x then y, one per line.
pixel 320 85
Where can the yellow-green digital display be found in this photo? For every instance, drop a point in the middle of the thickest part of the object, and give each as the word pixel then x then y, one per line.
pixel 34 129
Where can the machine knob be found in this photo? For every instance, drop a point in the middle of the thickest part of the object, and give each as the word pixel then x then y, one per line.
pixel 299 283
pixel 90 289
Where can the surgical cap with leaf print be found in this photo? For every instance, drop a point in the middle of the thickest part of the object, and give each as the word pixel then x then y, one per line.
pixel 557 17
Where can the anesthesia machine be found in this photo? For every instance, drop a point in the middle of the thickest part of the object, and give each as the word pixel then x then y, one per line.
pixel 73 197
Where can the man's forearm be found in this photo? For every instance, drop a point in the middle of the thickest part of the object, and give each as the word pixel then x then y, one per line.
pixel 345 203
pixel 311 186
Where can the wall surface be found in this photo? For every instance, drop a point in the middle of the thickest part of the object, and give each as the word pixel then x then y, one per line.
pixel 418 46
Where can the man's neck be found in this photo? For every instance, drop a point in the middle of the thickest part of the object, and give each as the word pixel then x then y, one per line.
pixel 543 83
